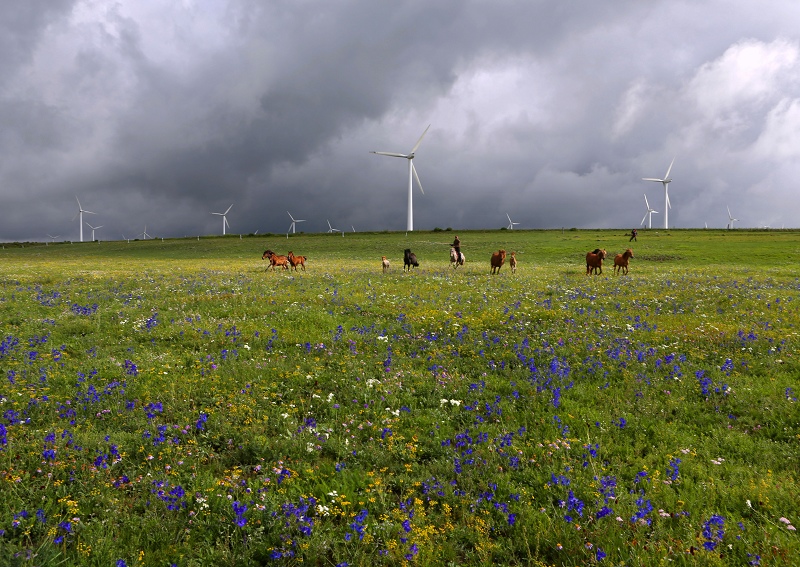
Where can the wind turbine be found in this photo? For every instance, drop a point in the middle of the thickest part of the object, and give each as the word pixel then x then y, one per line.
pixel 144 235
pixel 510 223
pixel 53 237
pixel 224 219
pixel 730 218
pixel 665 183
pixel 331 229
pixel 412 174
pixel 649 214
pixel 294 222
pixel 93 229
pixel 80 214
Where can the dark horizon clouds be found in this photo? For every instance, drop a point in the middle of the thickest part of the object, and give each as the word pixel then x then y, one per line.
pixel 160 113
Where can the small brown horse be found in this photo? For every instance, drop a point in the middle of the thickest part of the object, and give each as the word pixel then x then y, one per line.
pixel 621 261
pixel 497 261
pixel 275 260
pixel 594 261
pixel 513 262
pixel 295 261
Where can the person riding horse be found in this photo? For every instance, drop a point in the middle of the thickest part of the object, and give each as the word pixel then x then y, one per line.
pixel 457 246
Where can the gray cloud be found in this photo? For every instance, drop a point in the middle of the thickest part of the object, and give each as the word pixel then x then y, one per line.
pixel 160 114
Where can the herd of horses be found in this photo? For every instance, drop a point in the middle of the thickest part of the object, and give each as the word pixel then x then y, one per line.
pixel 594 261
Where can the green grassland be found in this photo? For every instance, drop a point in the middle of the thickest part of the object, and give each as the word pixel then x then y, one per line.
pixel 174 402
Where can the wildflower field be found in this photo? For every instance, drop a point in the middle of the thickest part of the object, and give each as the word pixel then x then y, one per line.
pixel 173 403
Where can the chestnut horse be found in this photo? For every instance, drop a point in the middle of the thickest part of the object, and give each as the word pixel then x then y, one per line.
pixel 594 261
pixel 455 261
pixel 275 260
pixel 295 261
pixel 497 261
pixel 513 262
pixel 621 261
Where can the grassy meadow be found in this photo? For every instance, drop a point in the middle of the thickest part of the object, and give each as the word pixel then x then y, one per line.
pixel 173 403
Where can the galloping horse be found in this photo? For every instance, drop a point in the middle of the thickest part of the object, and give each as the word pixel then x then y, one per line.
pixel 497 261
pixel 455 261
pixel 296 261
pixel 594 261
pixel 275 260
pixel 621 261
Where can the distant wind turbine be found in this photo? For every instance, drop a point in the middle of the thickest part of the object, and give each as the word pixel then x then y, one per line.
pixel 412 174
pixel 144 234
pixel 224 219
pixel 80 212
pixel 294 222
pixel 665 182
pixel 93 229
pixel 648 215
pixel 510 223
pixel 730 218
pixel 331 229
pixel 53 238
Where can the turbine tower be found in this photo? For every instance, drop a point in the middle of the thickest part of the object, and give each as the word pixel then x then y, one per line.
pixel 412 174
pixel 294 222
pixel 510 223
pixel 648 215
pixel 730 218
pixel 80 212
pixel 665 183
pixel 224 219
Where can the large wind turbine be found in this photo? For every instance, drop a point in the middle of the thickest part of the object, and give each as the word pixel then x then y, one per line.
pixel 730 217
pixel 224 219
pixel 510 223
pixel 294 222
pixel 412 174
pixel 80 214
pixel 648 215
pixel 93 229
pixel 665 183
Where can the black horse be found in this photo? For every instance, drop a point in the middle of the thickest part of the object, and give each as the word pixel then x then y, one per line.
pixel 409 259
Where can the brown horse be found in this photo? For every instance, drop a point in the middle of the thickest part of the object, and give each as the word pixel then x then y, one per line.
pixel 497 261
pixel 513 262
pixel 594 261
pixel 275 260
pixel 621 261
pixel 384 264
pixel 295 261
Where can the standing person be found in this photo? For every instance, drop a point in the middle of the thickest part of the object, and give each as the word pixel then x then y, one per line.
pixel 457 246
pixel 633 235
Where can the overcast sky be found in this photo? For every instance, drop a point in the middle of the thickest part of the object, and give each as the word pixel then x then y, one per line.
pixel 159 113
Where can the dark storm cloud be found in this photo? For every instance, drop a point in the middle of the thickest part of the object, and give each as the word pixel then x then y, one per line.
pixel 160 114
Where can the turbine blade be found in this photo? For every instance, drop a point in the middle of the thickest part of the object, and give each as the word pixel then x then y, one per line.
pixel 414 171
pixel 229 208
pixel 390 154
pixel 669 168
pixel 652 179
pixel 644 218
pixel 646 203
pixel 414 149
pixel 729 212
pixel 89 213
pixel 668 203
